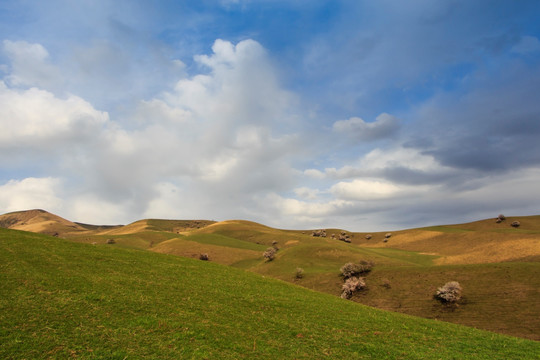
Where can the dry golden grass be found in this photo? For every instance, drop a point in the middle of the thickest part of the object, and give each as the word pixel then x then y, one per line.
pixel 39 221
pixel 473 243
pixel 220 254
pixel 133 228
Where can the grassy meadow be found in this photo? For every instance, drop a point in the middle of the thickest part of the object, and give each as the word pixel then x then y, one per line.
pixel 63 299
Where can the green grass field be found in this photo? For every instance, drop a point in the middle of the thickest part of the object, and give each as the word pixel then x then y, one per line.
pixel 62 299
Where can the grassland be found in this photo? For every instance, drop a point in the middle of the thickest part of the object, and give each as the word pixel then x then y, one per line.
pixel 62 299
pixel 497 265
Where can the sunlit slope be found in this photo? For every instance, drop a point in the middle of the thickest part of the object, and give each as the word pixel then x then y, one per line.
pixel 478 242
pixel 62 299
pixel 39 221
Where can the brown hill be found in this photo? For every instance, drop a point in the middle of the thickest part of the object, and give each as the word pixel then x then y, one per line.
pixel 479 242
pixel 39 221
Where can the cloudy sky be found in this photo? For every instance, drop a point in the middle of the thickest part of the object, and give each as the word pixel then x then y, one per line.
pixel 365 115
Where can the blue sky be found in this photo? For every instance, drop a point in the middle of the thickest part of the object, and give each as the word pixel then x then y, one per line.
pixel 366 115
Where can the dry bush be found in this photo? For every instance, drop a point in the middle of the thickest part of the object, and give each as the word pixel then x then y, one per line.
pixel 449 293
pixel 515 224
pixel 111 241
pixel 270 254
pixel 351 269
pixel 368 237
pixel 352 285
pixel 204 257
pixel 386 284
pixel 501 217
pixel 299 273
pixel 388 235
pixel 319 233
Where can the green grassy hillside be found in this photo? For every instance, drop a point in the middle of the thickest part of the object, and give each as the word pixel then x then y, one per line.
pixel 498 296
pixel 61 299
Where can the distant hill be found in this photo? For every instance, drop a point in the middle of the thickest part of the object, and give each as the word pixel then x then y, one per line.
pixel 39 221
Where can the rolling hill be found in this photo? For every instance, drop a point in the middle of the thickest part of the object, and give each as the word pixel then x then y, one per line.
pixel 61 299
pixel 497 265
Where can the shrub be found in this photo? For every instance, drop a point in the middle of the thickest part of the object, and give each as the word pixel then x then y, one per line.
pixel 351 269
pixel 270 254
pixel 501 217
pixel 388 235
pixel 111 241
pixel 352 285
pixel 299 273
pixel 203 257
pixel 386 284
pixel 515 224
pixel 368 236
pixel 449 293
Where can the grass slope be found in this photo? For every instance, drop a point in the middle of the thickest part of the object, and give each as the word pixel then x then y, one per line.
pixel 60 299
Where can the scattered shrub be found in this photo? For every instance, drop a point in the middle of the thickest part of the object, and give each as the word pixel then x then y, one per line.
pixel 386 284
pixel 111 241
pixel 368 237
pixel 319 233
pixel 501 217
pixel 203 257
pixel 270 254
pixel 388 235
pixel 449 293
pixel 352 285
pixel 515 224
pixel 351 269
pixel 345 237
pixel 299 273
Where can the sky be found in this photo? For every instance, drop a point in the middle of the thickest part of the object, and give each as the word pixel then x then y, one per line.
pixel 362 115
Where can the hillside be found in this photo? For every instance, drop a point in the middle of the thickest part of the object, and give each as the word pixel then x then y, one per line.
pixel 477 242
pixel 497 265
pixel 39 221
pixel 62 299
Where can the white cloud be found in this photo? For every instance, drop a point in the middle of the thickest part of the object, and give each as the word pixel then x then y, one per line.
pixel 215 136
pixel 36 118
pixel 306 193
pixel 89 208
pixel 384 125
pixel 314 173
pixel 360 189
pixel 30 65
pixel 31 193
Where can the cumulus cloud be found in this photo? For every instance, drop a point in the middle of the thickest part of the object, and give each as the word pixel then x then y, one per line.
pixel 35 118
pixel 31 193
pixel 30 65
pixel 385 125
pixel 361 189
pixel 216 135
